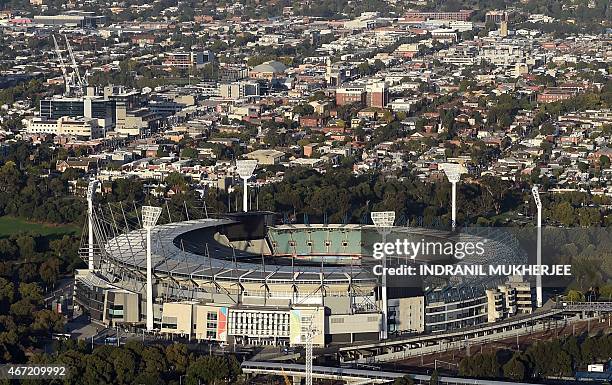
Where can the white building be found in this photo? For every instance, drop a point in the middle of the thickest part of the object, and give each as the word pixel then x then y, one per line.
pixel 66 126
pixel 239 90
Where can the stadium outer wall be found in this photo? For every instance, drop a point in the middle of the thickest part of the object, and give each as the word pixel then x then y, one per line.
pixel 212 282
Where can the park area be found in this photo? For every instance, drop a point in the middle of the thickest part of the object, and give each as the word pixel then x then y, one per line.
pixel 11 226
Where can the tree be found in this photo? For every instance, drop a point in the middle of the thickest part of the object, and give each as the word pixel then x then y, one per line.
pixel 23 309
pixel 153 360
pixel 303 109
pixel 125 365
pixel 515 369
pixel 365 69
pixel 434 379
pixel 210 369
pixel 189 152
pixel 574 296
pixel 404 381
pixel 47 321
pixel 176 181
pixel 30 292
pixel 26 245
pixel 177 357
pixel 480 365
pixel 8 249
pixel 98 371
pixel 564 213
pixel 49 270
pixel 7 293
pixel 604 161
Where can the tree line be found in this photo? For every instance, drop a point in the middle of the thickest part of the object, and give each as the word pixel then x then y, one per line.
pixel 30 266
pixel 29 190
pixel 135 363
pixel 556 358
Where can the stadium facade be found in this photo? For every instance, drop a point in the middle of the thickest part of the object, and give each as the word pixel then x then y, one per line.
pixel 244 279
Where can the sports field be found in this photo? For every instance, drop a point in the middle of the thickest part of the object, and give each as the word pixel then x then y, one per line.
pixel 11 225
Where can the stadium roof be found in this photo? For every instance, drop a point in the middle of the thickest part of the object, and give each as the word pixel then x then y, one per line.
pixel 272 66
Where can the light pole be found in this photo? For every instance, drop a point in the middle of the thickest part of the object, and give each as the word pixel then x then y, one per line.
pixel 383 221
pixel 230 190
pixel 91 190
pixel 538 202
pixel 245 169
pixel 453 173
pixel 150 215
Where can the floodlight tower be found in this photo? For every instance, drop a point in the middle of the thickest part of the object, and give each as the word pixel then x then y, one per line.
pixel 383 221
pixel 91 190
pixel 230 190
pixel 150 215
pixel 245 169
pixel 453 174
pixel 538 202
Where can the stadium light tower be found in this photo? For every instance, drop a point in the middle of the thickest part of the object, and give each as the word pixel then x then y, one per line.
pixel 150 215
pixel 538 202
pixel 453 173
pixel 91 190
pixel 383 221
pixel 245 169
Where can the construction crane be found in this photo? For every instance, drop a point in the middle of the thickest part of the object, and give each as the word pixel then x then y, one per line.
pixel 62 67
pixel 75 68
pixel 287 381
pixel 311 332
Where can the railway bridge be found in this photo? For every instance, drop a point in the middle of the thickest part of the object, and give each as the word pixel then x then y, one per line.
pixel 561 314
pixel 355 376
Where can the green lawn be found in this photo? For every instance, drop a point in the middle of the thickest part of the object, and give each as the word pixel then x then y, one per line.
pixel 10 226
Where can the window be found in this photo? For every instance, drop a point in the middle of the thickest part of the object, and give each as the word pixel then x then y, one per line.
pixel 115 313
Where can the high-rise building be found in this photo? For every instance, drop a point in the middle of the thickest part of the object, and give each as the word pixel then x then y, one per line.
pixel 377 95
pixel 112 107
pixel 239 90
pixel 88 107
